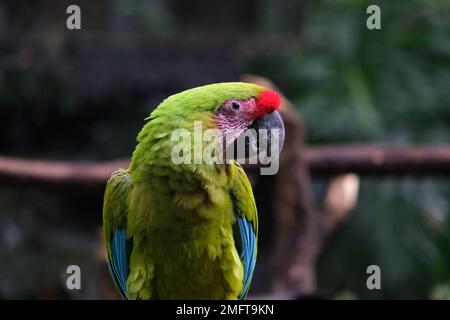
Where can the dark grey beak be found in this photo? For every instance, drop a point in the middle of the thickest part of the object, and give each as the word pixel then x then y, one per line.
pixel 274 125
pixel 264 139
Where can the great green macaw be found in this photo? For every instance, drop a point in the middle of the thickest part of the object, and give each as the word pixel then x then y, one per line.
pixel 187 230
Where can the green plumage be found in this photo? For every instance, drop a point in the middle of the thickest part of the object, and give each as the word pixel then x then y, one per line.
pixel 180 220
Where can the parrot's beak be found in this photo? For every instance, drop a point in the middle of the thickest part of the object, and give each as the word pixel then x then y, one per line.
pixel 262 141
pixel 273 124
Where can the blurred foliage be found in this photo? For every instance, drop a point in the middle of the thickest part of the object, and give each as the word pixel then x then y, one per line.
pixel 370 85
pixel 441 292
pixel 345 295
pixel 37 246
pixel 391 85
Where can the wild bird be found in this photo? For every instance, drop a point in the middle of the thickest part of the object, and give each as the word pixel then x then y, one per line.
pixel 188 230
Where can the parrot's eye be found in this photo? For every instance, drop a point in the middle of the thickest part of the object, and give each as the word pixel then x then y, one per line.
pixel 235 105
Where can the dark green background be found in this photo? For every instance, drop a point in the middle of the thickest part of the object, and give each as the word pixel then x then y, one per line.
pixel 84 94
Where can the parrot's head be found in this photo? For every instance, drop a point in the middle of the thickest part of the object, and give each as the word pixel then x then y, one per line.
pixel 246 121
pixel 244 114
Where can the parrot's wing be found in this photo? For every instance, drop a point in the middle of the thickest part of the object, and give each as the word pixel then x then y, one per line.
pixel 115 210
pixel 246 233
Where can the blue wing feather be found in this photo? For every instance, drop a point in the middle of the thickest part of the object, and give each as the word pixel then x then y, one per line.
pixel 248 252
pixel 118 262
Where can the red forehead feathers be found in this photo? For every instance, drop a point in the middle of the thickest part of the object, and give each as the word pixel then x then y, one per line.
pixel 266 102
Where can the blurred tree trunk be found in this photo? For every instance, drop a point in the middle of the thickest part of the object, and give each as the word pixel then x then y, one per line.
pixel 298 228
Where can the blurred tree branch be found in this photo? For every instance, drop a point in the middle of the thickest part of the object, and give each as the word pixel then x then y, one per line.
pixel 57 173
pixel 323 160
pixel 373 159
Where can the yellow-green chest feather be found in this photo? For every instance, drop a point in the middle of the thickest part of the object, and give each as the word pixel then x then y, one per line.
pixel 183 242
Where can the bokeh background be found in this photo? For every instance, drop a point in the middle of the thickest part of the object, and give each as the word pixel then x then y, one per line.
pixel 82 95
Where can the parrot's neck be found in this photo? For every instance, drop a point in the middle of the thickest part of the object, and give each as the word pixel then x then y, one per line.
pixel 178 149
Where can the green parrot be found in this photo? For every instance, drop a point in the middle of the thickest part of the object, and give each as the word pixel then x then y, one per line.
pixel 187 230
